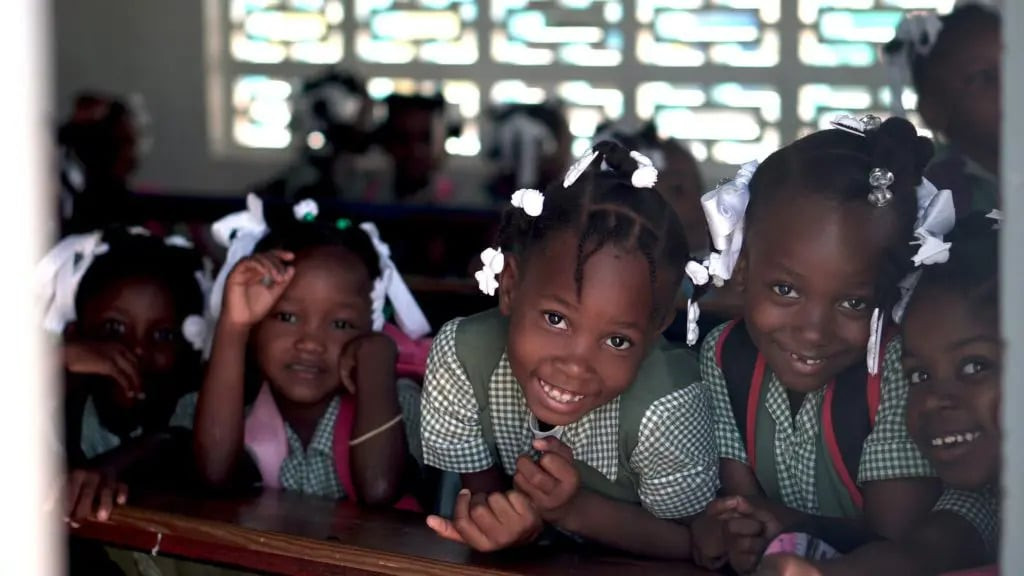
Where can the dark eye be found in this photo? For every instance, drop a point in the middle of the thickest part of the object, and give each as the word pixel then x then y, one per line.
pixel 784 290
pixel 114 328
pixel 973 367
pixel 917 376
pixel 165 335
pixel 854 304
pixel 619 342
pixel 344 325
pixel 555 320
pixel 287 317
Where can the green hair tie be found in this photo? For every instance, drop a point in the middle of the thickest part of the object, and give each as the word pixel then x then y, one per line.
pixel 343 224
pixel 308 217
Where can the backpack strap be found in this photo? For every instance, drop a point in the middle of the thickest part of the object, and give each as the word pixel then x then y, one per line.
pixel 848 414
pixel 342 455
pixel 743 367
pixel 479 344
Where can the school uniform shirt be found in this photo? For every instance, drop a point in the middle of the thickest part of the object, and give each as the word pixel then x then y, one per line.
pixel 888 451
pixel 980 508
pixel 96 439
pixel 974 188
pixel 310 469
pixel 674 457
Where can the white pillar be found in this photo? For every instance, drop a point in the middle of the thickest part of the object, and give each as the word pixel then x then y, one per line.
pixel 1012 288
pixel 30 541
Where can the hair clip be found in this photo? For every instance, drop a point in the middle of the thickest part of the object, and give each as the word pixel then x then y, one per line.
pixel 306 210
pixel 645 175
pixel 487 276
pixel 530 200
pixel 880 179
pixel 342 223
pixel 996 216
pixel 579 168
pixel 859 126
pixel 195 329
pixel 874 353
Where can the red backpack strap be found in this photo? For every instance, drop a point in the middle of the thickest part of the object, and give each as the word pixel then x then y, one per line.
pixel 743 368
pixel 840 460
pixel 342 435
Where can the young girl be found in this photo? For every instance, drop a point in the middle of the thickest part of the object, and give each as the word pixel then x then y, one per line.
pixel 302 314
pixel 562 406
pixel 129 307
pixel 954 63
pixel 806 434
pixel 952 357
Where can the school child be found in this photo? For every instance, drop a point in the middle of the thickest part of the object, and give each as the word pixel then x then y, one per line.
pixel 532 146
pixel 563 406
pixel 128 308
pixel 954 64
pixel 808 399
pixel 300 305
pixel 952 356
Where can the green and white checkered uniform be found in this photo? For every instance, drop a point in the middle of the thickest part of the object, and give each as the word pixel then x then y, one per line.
pixel 673 462
pixel 96 439
pixel 310 470
pixel 980 508
pixel 888 452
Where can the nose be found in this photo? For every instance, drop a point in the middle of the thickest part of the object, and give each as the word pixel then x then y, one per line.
pixel 310 340
pixel 815 324
pixel 939 396
pixel 573 361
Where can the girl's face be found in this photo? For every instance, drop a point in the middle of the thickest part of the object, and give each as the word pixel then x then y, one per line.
pixel 808 276
pixel 574 350
pixel 299 344
pixel 140 314
pixel 952 358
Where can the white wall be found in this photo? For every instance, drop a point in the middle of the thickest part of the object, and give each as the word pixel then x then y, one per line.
pixel 155 48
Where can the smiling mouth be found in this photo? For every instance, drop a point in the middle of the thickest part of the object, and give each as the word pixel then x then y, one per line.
pixel 806 360
pixel 559 395
pixel 958 439
pixel 303 370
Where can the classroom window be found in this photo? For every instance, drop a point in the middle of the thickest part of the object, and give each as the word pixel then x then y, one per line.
pixel 733 78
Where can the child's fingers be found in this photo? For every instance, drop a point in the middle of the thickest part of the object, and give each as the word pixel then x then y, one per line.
pixel 74 488
pixel 126 372
pixel 533 475
pixel 521 503
pixel 744 527
pixel 721 506
pixel 122 493
pixel 106 503
pixel 557 466
pixel 553 446
pixel 501 508
pixel 444 528
pixel 86 497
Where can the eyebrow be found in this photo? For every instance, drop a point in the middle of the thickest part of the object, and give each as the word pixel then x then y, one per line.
pixel 976 339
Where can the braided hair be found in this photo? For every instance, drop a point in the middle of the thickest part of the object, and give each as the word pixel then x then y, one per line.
pixel 834 164
pixel 604 208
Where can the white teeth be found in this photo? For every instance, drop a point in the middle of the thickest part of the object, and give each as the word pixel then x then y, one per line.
pixel 953 439
pixel 559 395
pixel 808 361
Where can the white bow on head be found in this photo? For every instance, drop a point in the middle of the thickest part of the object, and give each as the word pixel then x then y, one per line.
pixel 390 286
pixel 917 33
pixel 725 208
pixel 239 232
pixel 58 274
pixel 936 217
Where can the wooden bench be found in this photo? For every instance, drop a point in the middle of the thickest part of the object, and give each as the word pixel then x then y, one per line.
pixel 282 533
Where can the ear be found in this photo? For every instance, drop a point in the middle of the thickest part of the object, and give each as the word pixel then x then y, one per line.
pixel 508 281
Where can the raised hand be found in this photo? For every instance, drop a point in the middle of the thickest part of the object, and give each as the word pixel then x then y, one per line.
pixel 255 285
pixel 490 522
pixel 373 350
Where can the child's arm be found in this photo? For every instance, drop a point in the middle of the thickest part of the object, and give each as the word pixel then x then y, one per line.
pixel 378 454
pixel 219 426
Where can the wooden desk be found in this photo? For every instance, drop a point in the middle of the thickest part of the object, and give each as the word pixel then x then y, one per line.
pixel 291 534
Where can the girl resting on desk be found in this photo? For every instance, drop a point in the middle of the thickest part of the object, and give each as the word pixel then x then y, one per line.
pixel 564 406
pixel 301 305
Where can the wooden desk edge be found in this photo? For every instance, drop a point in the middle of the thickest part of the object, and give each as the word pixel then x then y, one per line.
pixel 233 545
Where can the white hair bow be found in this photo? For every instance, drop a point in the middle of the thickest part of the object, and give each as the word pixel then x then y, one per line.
pixel 916 34
pixel 487 276
pixel 239 232
pixel 390 286
pixel 530 200
pixel 58 274
pixel 725 208
pixel 936 217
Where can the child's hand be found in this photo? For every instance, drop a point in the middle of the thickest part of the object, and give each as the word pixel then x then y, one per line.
pixel 108 359
pixel 551 482
pixel 749 534
pixel 708 533
pixel 787 565
pixel 92 495
pixel 372 349
pixel 490 522
pixel 255 285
